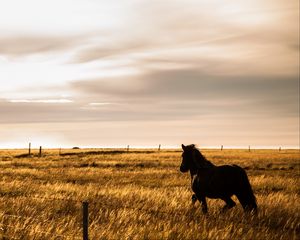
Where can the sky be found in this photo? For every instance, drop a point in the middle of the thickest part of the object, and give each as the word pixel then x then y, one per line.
pixel 95 73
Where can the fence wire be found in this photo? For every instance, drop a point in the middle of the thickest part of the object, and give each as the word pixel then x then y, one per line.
pixel 94 203
pixel 91 202
pixel 41 198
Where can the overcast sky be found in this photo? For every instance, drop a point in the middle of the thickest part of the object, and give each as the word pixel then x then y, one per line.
pixel 143 73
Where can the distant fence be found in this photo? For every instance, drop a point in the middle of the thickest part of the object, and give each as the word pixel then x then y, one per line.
pixel 133 150
pixel 60 150
pixel 127 149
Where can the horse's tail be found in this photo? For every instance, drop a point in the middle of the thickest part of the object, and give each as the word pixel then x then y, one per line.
pixel 245 193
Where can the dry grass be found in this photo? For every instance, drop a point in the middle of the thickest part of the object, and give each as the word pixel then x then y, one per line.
pixel 141 195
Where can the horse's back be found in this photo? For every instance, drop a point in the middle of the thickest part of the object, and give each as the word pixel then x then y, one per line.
pixel 226 180
pixel 229 173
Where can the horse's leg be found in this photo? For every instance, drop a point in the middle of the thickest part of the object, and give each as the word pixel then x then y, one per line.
pixel 194 199
pixel 248 206
pixel 202 199
pixel 229 203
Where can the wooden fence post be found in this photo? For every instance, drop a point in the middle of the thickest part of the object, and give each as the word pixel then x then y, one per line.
pixel 221 147
pixel 249 148
pixel 40 152
pixel 85 220
pixel 29 149
pixel 279 149
pixel 159 147
pixel 127 148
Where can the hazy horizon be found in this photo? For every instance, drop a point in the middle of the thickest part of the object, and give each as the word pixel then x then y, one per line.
pixel 166 147
pixel 143 73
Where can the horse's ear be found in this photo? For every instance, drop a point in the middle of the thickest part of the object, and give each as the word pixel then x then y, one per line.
pixel 183 147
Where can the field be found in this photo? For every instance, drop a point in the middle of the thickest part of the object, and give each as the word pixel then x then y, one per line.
pixel 141 194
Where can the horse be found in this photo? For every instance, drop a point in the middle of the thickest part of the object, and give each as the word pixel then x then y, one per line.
pixel 218 182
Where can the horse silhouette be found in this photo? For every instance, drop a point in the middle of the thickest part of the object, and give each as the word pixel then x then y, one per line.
pixel 219 182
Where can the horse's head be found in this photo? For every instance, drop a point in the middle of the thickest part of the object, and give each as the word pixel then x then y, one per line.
pixel 187 158
pixel 193 160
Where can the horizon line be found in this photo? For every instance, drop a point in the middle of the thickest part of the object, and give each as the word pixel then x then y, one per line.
pixel 166 147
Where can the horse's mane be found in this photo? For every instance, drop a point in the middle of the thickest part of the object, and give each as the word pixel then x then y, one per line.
pixel 202 162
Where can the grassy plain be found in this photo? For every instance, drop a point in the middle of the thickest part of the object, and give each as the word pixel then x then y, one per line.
pixel 141 194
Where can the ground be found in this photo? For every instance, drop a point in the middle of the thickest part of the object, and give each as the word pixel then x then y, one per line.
pixel 141 194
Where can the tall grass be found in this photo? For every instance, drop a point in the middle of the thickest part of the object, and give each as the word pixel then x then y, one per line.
pixel 141 195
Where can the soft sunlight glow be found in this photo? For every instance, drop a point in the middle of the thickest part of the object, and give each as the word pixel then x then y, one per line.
pixel 112 73
pixel 58 16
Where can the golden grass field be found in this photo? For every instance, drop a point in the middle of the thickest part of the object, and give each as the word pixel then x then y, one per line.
pixel 141 194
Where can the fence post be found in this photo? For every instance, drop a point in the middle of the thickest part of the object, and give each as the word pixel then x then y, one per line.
pixel 159 147
pixel 221 147
pixel 40 152
pixel 85 220
pixel 249 148
pixel 279 149
pixel 127 148
pixel 29 150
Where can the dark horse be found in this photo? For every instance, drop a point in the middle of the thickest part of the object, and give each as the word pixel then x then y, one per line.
pixel 213 181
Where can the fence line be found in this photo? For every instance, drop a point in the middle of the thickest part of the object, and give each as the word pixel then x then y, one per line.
pixel 97 203
pixel 150 151
pixel 3 214
pixel 41 198
pixel 85 203
pixel 90 202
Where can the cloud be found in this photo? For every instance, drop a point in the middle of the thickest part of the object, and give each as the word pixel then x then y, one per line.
pixel 189 94
pixel 36 111
pixel 209 65
pixel 51 101
pixel 99 103
pixel 242 38
pixel 162 96
pixel 22 45
pixel 41 112
pixel 190 84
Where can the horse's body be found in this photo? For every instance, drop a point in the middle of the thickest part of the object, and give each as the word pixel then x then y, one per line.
pixel 213 181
